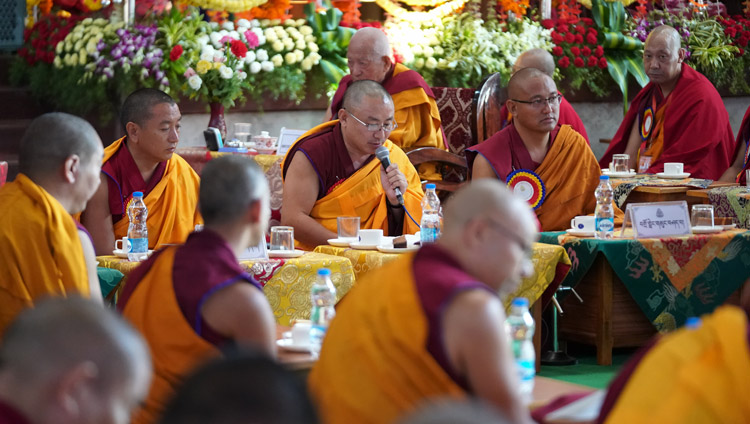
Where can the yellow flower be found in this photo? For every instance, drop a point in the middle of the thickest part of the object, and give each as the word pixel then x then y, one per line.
pixel 203 66
pixel 218 65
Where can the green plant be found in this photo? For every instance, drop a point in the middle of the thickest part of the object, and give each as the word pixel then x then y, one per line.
pixel 333 41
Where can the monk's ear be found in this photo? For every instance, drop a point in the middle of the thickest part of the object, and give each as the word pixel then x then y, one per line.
pixel 132 130
pixel 254 212
pixel 387 63
pixel 680 55
pixel 511 105
pixel 71 167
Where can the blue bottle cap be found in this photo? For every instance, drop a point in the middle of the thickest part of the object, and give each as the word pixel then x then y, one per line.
pixel 520 301
pixel 430 186
pixel 604 177
pixel 693 322
pixel 324 272
pixel 137 194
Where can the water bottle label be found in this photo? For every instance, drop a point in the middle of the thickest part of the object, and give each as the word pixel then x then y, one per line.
pixel 605 224
pixel 526 369
pixel 138 245
pixel 428 235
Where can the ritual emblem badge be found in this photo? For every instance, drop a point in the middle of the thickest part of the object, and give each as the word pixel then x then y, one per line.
pixel 528 186
pixel 647 123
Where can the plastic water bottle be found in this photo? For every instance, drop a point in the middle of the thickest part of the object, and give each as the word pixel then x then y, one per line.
pixel 323 296
pixel 520 328
pixel 604 215
pixel 431 221
pixel 137 230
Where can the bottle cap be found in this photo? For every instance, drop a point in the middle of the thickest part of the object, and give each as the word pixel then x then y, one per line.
pixel 693 322
pixel 604 177
pixel 137 194
pixel 324 272
pixel 520 301
pixel 430 186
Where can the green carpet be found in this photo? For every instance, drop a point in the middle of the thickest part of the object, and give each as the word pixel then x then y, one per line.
pixel 587 372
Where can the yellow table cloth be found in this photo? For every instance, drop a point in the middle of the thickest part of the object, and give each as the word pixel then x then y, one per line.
pixel 286 282
pixel 550 266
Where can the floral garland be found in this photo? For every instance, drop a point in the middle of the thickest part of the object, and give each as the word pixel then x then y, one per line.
pixel 231 6
pixel 398 12
pixel 423 3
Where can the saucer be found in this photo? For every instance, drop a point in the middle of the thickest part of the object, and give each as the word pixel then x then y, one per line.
pixel 262 151
pixel 580 233
pixel 613 174
pixel 673 176
pixel 390 249
pixel 124 255
pixel 361 246
pixel 707 229
pixel 285 253
pixel 341 242
pixel 729 226
pixel 288 344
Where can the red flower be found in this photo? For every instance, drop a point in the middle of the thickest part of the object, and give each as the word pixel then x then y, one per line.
pixel 730 31
pixel 548 23
pixel 570 38
pixel 743 41
pixel 175 53
pixel 741 52
pixel 238 48
pixel 593 31
pixel 50 57
pixel 564 62
pixel 398 58
pixel 563 28
pixel 556 37
pixel 591 38
pixel 599 52
pixel 575 50
pixel 557 51
pixel 586 51
pixel 603 63
pixel 579 38
pixel 581 29
pixel 587 21
pixel 592 61
pixel 578 62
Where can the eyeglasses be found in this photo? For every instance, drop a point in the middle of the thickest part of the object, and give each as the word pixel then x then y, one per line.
pixel 526 247
pixel 375 127
pixel 539 103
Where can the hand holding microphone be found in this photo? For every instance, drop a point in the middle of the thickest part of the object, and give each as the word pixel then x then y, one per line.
pixel 394 177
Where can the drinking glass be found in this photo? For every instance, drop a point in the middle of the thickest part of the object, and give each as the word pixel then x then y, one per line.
pixel 348 227
pixel 621 163
pixel 242 132
pixel 282 238
pixel 747 181
pixel 702 216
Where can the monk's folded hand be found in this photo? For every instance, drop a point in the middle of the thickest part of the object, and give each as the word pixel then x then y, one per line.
pixel 392 178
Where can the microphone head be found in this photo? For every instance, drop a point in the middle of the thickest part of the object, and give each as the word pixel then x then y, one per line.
pixel 382 153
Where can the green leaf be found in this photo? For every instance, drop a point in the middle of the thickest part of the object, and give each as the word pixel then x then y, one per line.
pixel 332 72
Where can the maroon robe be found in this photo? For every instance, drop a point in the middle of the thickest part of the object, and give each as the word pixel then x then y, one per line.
pixel 743 139
pixel 10 415
pixel 124 178
pixel 568 116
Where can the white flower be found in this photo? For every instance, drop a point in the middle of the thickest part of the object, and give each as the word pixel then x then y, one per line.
pixel 195 82
pixel 91 46
pixel 203 39
pixel 277 46
pixel 241 75
pixel 225 72
pixel 300 22
pixel 207 55
pixel 262 55
pixel 277 60
pixel 243 23
pixel 82 57
pixel 274 22
pixel 431 63
pixel 100 21
pixel 299 54
pixel 306 30
pixel 57 62
pixel 428 51
pixel 265 22
pixel 300 44
pixel 419 63
pixel 266 66
pixel 234 34
pixel 271 37
pixel 87 21
pixel 306 64
pixel 439 51
pixel 254 68
pixel 250 57
pixel 78 44
pixel 288 44
pixel 59 47
pixel 218 56
pixel 312 47
pixel 229 26
pixel 310 38
pixel 289 58
pixel 215 37
pixel 254 23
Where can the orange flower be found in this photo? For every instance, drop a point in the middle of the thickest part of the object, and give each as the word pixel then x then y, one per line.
pixel 273 9
pixel 350 9
pixel 518 7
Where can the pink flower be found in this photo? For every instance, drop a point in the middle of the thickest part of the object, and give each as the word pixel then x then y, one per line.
pixel 189 73
pixel 226 39
pixel 252 39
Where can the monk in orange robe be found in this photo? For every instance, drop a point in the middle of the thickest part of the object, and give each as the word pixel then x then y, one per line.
pixel 541 59
pixel 190 300
pixel 736 172
pixel 556 157
pixel 42 250
pixel 144 161
pixel 678 117
pixel 431 324
pixel 332 171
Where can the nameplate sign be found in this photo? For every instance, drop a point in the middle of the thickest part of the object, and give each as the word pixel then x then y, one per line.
pixel 661 219
pixel 286 139
pixel 255 252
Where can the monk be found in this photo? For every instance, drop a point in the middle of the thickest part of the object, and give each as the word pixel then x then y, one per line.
pixel 332 171
pixel 71 361
pixel 430 324
pixel 677 117
pixel 144 160
pixel 42 250
pixel 415 111
pixel 190 300
pixel 534 144
pixel 698 374
pixel 736 172
pixel 542 60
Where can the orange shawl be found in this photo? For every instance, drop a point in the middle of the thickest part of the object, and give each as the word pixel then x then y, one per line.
pixel 40 250
pixel 417 116
pixel 692 376
pixel 362 194
pixel 172 204
pixel 374 365
pixel 175 347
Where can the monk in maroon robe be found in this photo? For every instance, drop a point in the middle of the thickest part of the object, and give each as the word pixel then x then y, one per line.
pixel 736 172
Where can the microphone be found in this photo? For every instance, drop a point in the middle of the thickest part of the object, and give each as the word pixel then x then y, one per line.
pixel 383 156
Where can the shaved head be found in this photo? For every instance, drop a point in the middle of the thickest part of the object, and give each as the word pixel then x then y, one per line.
pixel 369 55
pixel 520 78
pixel 229 185
pixel 137 107
pixel 535 58
pixel 486 196
pixel 667 33
pixel 663 57
pixel 372 41
pixel 359 90
pixel 53 138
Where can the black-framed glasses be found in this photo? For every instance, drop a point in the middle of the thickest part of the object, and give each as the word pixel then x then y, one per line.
pixel 375 127
pixel 539 103
pixel 528 248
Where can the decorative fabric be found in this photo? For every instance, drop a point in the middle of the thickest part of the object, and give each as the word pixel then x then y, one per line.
pixel 3 172
pixel 454 105
pixel 743 139
pixel 622 187
pixel 687 275
pixel 732 202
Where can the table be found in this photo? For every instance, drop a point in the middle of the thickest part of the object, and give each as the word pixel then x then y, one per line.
pixel 644 188
pixel 729 201
pixel 286 282
pixel 634 288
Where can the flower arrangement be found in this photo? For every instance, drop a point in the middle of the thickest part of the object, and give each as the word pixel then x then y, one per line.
pixel 41 39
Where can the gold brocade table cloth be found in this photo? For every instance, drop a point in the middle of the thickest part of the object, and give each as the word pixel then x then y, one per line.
pixel 551 264
pixel 286 282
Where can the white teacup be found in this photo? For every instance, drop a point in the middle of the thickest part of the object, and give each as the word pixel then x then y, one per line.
pixel 583 223
pixel 370 237
pixel 673 168
pixel 301 333
pixel 122 244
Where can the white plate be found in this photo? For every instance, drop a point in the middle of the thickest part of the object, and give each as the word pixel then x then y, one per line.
pixel 673 176
pixel 613 174
pixel 580 233
pixel 265 151
pixel 388 248
pixel 359 246
pixel 340 242
pixel 289 345
pixel 124 255
pixel 706 229
pixel 285 253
